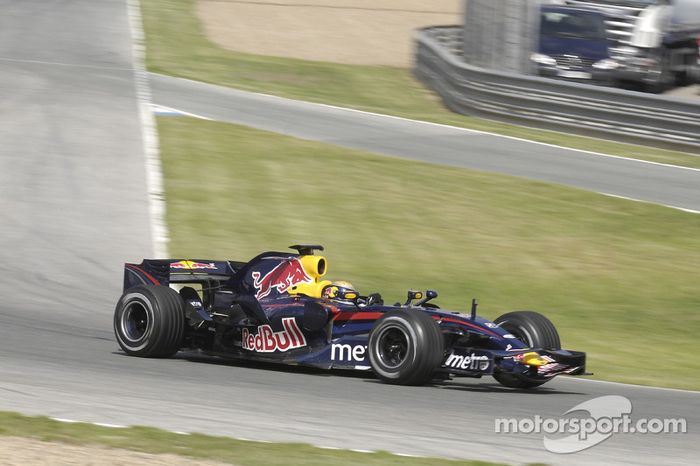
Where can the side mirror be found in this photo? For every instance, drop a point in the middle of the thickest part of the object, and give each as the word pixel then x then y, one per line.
pixel 430 294
pixel 411 295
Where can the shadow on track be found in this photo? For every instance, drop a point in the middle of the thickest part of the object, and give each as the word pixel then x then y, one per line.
pixel 463 384
pixel 491 387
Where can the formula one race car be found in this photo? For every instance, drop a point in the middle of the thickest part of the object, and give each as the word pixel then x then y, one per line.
pixel 278 308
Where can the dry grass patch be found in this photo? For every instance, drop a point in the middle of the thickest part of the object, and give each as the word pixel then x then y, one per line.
pixel 364 32
pixel 18 451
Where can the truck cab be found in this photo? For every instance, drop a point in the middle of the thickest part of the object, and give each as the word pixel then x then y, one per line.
pixel 573 45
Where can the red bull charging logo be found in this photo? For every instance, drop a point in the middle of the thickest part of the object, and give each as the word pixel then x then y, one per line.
pixel 284 276
pixel 267 341
pixel 191 265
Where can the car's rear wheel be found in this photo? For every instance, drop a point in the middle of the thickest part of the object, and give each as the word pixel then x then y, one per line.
pixel 149 321
pixel 405 347
pixel 536 331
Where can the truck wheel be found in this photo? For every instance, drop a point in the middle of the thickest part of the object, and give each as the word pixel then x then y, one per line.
pixel 536 331
pixel 663 77
pixel 405 347
pixel 149 321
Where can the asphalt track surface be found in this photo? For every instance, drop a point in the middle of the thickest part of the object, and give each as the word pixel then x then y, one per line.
pixel 74 208
pixel 661 184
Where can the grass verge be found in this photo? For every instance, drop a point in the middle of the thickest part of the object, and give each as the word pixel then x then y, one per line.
pixel 204 447
pixel 176 45
pixel 618 278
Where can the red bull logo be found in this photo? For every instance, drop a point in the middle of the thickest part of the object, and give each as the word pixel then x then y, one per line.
pixel 191 265
pixel 267 341
pixel 284 276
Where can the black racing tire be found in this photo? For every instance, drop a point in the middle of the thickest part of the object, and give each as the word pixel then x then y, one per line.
pixel 536 331
pixel 532 328
pixel 149 321
pixel 405 347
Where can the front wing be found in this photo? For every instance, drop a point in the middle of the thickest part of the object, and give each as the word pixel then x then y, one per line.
pixel 533 363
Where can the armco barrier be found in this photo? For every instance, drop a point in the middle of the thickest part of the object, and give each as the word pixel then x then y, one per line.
pixel 552 103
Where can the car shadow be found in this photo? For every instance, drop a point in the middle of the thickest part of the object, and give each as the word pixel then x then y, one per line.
pixel 246 363
pixel 495 387
pixel 461 384
pixel 474 385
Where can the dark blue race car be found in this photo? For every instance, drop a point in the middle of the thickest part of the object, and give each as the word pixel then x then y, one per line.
pixel 278 308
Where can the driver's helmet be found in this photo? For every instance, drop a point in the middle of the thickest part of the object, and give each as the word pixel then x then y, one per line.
pixel 341 291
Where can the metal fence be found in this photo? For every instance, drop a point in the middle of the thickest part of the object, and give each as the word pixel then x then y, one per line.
pixel 581 108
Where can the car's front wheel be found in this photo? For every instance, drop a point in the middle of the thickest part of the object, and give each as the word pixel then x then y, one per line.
pixel 405 347
pixel 149 321
pixel 536 331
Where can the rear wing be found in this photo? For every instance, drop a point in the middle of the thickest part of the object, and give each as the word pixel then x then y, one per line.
pixel 167 271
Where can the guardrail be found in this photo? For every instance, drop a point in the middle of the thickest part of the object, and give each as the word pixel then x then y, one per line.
pixel 580 108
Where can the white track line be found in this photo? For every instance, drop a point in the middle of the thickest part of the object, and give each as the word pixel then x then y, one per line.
pixel 158 109
pixel 690 211
pixel 55 63
pixel 149 132
pixel 441 125
pixel 111 426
